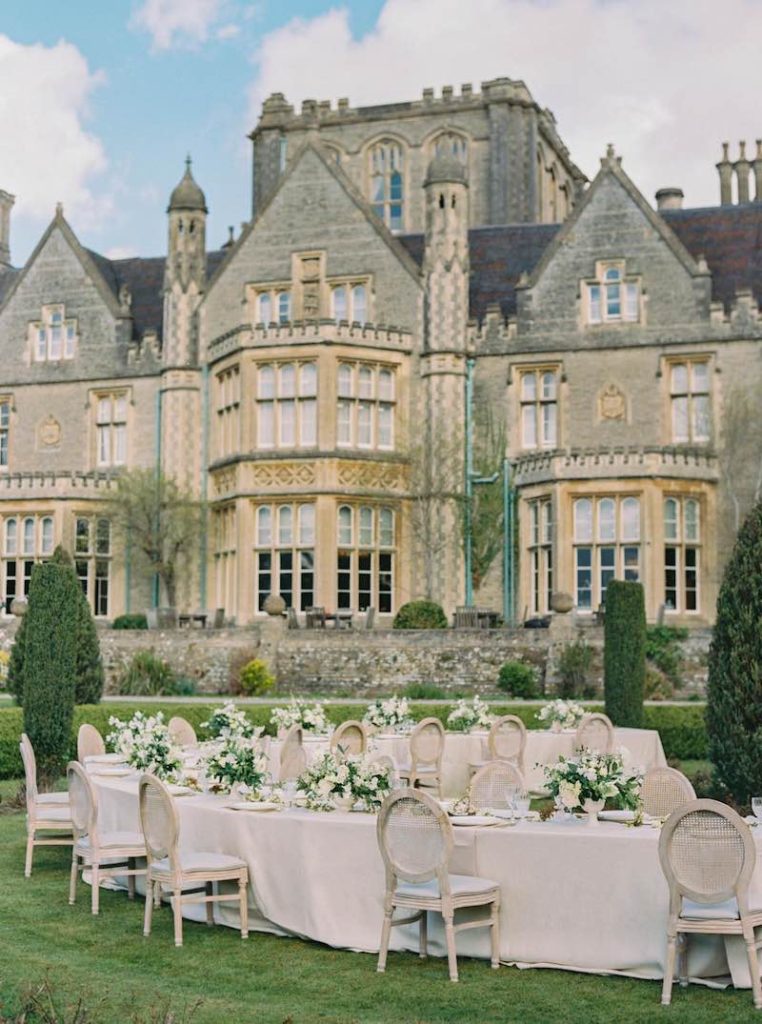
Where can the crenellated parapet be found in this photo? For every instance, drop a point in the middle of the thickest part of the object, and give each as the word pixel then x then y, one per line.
pixel 311 332
pixel 56 484
pixel 673 462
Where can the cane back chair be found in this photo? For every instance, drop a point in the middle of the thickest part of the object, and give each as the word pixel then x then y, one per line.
pixel 182 732
pixel 293 759
pixel 46 813
pixel 495 785
pixel 349 738
pixel 426 749
pixel 664 791
pixel 596 733
pixel 89 743
pixel 506 741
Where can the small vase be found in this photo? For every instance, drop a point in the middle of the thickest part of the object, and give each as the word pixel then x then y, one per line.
pixel 591 809
pixel 555 727
pixel 344 803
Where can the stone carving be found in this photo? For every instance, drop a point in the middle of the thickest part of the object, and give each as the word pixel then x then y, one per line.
pixel 283 474
pixel 50 432
pixel 612 403
pixel 372 476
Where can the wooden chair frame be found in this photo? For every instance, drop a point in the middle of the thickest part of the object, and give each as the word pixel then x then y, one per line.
pixel 493 754
pixel 293 759
pixel 665 790
pixel 182 732
pixel 507 768
pixel 418 772
pixel 349 727
pixel 446 903
pixel 595 717
pixel 45 812
pixel 89 742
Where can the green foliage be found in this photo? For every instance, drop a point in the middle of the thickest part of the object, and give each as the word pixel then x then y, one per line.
pixel 15 681
pixel 420 614
pixel 664 651
pixel 574 665
pixel 147 675
pixel 657 686
pixel 136 621
pixel 424 691
pixel 255 678
pixel 518 679
pixel 625 653
pixel 487 501
pixel 734 694
pixel 50 664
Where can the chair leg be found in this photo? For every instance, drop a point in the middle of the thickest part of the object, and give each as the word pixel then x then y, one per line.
pixel 669 970
pixel 682 971
pixel 495 933
pixel 29 853
pixel 96 888
pixel 209 906
pixel 157 895
pixel 73 878
pixel 452 955
pixel 177 906
pixel 243 892
pixel 131 878
pixel 385 933
pixel 150 888
pixel 423 929
pixel 751 955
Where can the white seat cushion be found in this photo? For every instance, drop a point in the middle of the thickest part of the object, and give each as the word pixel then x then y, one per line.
pixel 460 885
pixel 53 812
pixel 114 840
pixel 53 798
pixel 725 911
pixel 197 863
pixel 405 769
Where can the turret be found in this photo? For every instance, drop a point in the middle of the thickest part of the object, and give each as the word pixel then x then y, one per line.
pixel 446 261
pixel 187 233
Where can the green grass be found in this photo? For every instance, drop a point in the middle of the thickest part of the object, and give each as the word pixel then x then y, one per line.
pixel 124 977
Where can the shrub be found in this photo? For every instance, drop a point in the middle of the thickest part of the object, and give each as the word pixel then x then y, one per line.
pixel 15 680
pixel 255 678
pixel 89 681
pixel 424 691
pixel 420 615
pixel 4 663
pixel 625 652
pixel 147 675
pixel 664 651
pixel 734 693
pixel 136 621
pixel 574 664
pixel 518 679
pixel 658 686
pixel 50 664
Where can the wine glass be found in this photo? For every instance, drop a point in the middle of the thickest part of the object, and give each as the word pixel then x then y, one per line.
pixel 756 806
pixel 521 803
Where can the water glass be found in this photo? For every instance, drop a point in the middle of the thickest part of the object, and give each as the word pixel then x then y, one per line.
pixel 756 806
pixel 521 804
pixel 289 791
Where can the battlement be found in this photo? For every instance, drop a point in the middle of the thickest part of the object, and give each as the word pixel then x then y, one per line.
pixel 311 332
pixel 582 464
pixel 54 484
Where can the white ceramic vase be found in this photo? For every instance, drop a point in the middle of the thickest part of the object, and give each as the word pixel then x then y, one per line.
pixel 591 809
pixel 555 727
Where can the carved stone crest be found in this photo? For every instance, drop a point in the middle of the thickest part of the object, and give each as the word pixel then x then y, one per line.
pixel 612 403
pixel 50 432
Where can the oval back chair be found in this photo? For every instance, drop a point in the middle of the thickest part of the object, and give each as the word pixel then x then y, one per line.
pixel 182 732
pixel 495 785
pixel 664 791
pixel 426 749
pixel 507 740
pixel 350 738
pixel 89 743
pixel 293 760
pixel 595 732
pixel 45 812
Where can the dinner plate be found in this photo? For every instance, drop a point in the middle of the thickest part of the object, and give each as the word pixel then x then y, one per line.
pixel 250 805
pixel 111 772
pixel 473 819
pixel 625 816
pixel 105 759
pixel 176 790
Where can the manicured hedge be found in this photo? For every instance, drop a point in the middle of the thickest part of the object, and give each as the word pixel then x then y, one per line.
pixel 682 728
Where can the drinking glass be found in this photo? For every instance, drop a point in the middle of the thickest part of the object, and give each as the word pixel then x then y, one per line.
pixel 521 804
pixel 756 806
pixel 289 791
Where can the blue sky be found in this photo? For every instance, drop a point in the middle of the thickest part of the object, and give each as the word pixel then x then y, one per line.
pixel 101 99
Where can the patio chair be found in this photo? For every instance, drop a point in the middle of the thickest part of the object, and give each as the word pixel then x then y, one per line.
pixel 664 791
pixel 506 741
pixel 708 855
pixel 596 733
pixel 350 738
pixel 89 743
pixel 190 877
pixel 46 813
pixel 415 838
pixel 293 760
pixel 292 621
pixel 426 749
pixel 104 854
pixel 495 785
pixel 466 618
pixel 182 732
pixel 315 618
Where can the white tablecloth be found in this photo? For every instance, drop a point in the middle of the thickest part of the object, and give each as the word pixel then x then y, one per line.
pixel 573 896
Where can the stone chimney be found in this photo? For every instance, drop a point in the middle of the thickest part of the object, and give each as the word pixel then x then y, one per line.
pixel 757 168
pixel 742 168
pixel 669 198
pixel 6 202
pixel 725 169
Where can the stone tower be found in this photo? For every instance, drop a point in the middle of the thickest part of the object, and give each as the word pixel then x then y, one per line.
pixel 443 375
pixel 6 202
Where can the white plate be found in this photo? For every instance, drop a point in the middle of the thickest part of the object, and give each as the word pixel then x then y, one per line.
pixel 750 819
pixel 177 790
pixel 624 816
pixel 250 805
pixel 111 772
pixel 106 759
pixel 473 820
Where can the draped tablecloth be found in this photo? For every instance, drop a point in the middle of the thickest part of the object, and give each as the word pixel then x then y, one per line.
pixel 573 896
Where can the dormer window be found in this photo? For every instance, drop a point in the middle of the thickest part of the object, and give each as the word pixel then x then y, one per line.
pixel 54 336
pixel 613 297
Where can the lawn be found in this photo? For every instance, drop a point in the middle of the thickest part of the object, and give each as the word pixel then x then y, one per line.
pixel 126 979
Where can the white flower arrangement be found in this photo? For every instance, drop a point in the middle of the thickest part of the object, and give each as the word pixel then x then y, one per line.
pixel 147 745
pixel 592 777
pixel 566 713
pixel 229 721
pixel 235 763
pixel 311 717
pixel 332 778
pixel 388 713
pixel 469 715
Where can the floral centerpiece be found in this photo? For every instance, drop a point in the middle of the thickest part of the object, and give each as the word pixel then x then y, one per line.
pixel 229 721
pixel 147 745
pixel 390 713
pixel 587 781
pixel 333 781
pixel 236 764
pixel 561 714
pixel 311 717
pixel 469 714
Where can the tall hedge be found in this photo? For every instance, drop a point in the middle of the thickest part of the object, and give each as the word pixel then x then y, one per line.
pixel 734 693
pixel 624 659
pixel 50 662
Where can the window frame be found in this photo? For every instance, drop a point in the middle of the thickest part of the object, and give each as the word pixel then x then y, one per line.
pixel 287 412
pixel 534 408
pixel 365 566
pixel 598 293
pixel 286 554
pixel 681 545
pixel 394 162
pixel 601 554
pixel 690 396
pixel 43 337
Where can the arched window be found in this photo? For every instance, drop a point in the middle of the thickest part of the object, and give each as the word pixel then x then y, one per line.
pixel 29 536
pixel 307 525
pixel 46 536
pixel 10 536
pixel 359 304
pixel 265 313
pixel 339 297
pixel 387 183
pixel 631 519
pixel 583 519
pixel 386 528
pixel 264 525
pixel 285 525
pixel 452 144
pixel 366 526
pixel 284 307
pixel 607 519
pixel 345 524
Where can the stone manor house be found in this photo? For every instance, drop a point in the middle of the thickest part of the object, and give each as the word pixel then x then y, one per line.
pixel 308 379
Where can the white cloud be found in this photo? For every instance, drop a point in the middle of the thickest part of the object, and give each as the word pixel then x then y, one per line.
pixel 666 83
pixel 229 31
pixel 47 154
pixel 173 23
pixel 120 252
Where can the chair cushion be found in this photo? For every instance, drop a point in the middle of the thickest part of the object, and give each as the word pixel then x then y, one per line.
pixel 114 840
pixel 460 885
pixel 725 911
pixel 53 798
pixel 53 812
pixel 191 863
pixel 405 769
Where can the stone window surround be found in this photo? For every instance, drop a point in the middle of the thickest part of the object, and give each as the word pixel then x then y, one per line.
pixel 227 384
pixel 93 560
pixel 666 364
pixel 625 282
pixel 18 556
pixel 368 150
pixel 606 538
pixel 6 412
pixel 540 548
pixel 95 396
pixel 42 331
pixel 354 402
pixel 284 547
pixel 516 376
pixel 687 549
pixel 365 561
pixel 326 283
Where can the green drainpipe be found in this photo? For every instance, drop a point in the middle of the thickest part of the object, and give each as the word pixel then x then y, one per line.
pixel 159 398
pixel 202 575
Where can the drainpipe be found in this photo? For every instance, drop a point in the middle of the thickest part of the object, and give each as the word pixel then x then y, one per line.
pixel 508 566
pixel 159 398
pixel 202 580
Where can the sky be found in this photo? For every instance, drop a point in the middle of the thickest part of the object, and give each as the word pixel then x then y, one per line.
pixel 102 99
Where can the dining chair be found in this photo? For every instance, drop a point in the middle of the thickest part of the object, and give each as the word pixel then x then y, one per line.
pixel 89 743
pixel 596 733
pixel 104 854
pixel 350 738
pixel 415 839
pixel 182 732
pixel 495 785
pixel 190 877
pixel 708 856
pixel 293 760
pixel 46 813
pixel 664 791
pixel 506 741
pixel 426 749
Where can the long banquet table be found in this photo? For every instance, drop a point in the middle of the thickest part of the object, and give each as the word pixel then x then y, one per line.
pixel 642 746
pixel 574 896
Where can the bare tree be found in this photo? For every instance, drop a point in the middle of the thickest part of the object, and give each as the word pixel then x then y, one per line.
pixel 487 511
pixel 740 453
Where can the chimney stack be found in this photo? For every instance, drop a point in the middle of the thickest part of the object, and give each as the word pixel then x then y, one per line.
pixel 757 168
pixel 669 198
pixel 6 202
pixel 725 169
pixel 742 168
